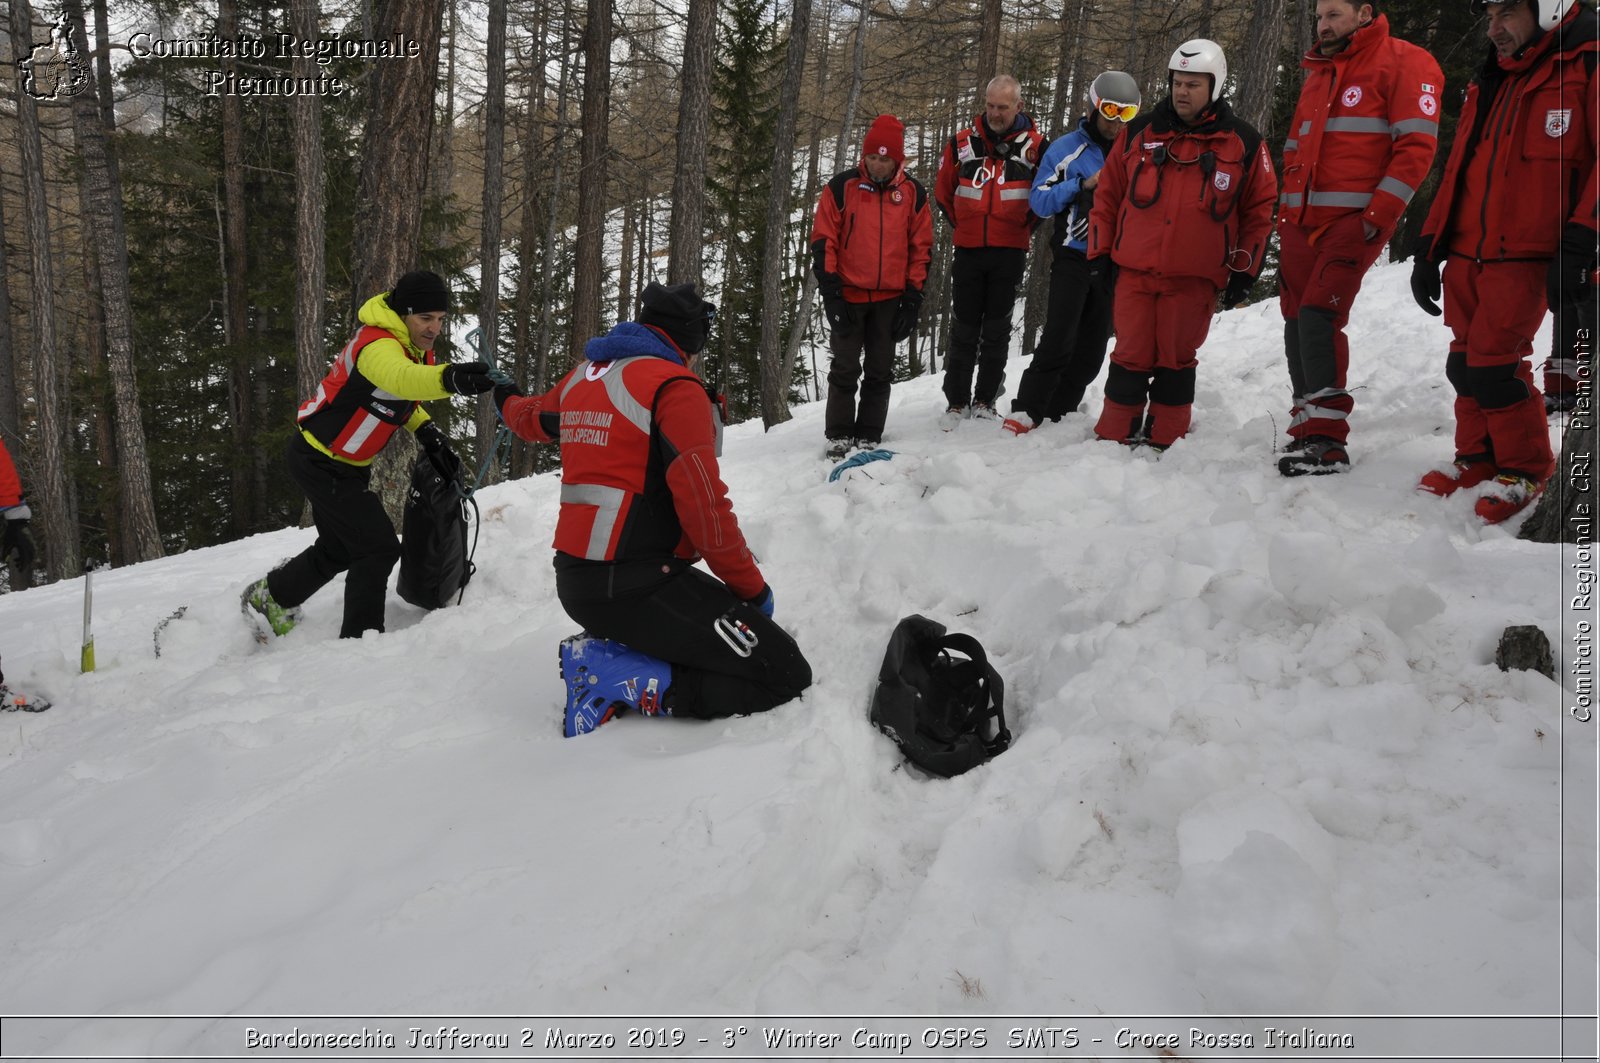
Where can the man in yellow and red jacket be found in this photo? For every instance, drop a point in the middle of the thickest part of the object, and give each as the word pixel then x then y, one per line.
pixel 985 177
pixel 1514 223
pixel 374 387
pixel 1363 136
pixel 1182 211
pixel 870 246
pixel 642 499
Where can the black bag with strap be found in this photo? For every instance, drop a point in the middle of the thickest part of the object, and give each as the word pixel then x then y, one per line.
pixel 434 562
pixel 945 712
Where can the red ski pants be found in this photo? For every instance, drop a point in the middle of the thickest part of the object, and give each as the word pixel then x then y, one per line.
pixel 1317 284
pixel 1493 310
pixel 1161 322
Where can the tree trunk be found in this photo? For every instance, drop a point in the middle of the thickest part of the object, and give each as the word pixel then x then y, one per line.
pixel 989 43
pixel 102 213
pixel 595 120
pixel 10 409
pixel 235 306
pixel 1258 73
pixel 541 369
pixel 388 221
pixel 310 218
pixel 686 237
pixel 630 215
pixel 522 463
pixel 53 515
pixel 774 385
pixel 813 187
pixel 1565 513
pixel 494 154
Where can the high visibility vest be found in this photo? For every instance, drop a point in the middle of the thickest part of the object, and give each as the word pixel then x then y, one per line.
pixel 349 415
pixel 615 501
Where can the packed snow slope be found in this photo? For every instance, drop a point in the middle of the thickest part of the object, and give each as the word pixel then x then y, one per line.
pixel 1263 760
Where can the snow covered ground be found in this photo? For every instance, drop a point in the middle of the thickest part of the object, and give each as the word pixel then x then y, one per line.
pixel 1263 760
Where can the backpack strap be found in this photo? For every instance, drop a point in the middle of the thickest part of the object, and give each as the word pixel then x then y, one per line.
pixel 993 685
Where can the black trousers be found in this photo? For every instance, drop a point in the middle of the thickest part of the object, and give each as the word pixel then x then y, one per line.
pixel 1072 347
pixel 671 610
pixel 983 291
pixel 354 536
pixel 868 329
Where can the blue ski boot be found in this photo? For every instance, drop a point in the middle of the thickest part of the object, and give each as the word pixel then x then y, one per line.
pixel 605 678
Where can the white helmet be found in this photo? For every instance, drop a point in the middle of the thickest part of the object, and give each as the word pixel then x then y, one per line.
pixel 1547 19
pixel 1201 56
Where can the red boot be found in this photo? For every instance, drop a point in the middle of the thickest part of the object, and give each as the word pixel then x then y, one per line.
pixel 1508 494
pixel 1466 472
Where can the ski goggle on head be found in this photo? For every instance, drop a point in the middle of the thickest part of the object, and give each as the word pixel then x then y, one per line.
pixel 1118 112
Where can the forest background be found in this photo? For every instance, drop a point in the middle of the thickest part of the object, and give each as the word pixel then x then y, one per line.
pixel 179 264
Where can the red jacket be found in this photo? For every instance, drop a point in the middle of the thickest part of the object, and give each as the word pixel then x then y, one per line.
pixel 1523 162
pixel 639 475
pixel 878 238
pixel 1203 211
pixel 984 182
pixel 10 482
pixel 1364 132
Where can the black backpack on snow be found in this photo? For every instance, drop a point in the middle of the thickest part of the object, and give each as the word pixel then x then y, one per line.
pixel 945 712
pixel 434 562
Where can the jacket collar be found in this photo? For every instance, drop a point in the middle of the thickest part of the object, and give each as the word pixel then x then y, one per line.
pixel 1363 39
pixel 379 314
pixel 629 339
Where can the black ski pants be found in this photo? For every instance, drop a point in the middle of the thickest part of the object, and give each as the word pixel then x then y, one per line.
pixel 983 291
pixel 354 536
pixel 1072 347
pixel 869 330
pixel 673 611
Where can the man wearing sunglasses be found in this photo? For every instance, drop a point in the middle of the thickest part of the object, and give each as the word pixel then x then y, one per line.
pixel 1362 139
pixel 1182 211
pixel 642 500
pixel 1072 347
pixel 1514 223
pixel 985 178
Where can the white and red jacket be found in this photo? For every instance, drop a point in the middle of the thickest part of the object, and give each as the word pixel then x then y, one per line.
pixel 639 475
pixel 10 482
pixel 1523 164
pixel 1364 132
pixel 984 182
pixel 877 237
pixel 1178 200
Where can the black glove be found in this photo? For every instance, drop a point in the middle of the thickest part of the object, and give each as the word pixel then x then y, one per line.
pixel 1425 286
pixel 17 546
pixel 1103 275
pixel 502 392
pixel 467 378
pixel 837 312
pixel 1574 264
pixel 905 315
pixel 831 285
pixel 1239 285
pixel 437 447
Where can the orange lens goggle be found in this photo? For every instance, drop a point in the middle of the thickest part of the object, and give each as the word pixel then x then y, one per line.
pixel 1119 112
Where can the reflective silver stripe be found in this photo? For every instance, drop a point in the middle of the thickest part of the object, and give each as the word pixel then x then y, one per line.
pixel 1424 126
pixel 1291 145
pixel 379 393
pixel 1399 189
pixel 369 424
pixel 1305 127
pixel 347 356
pixel 1358 125
pixel 572 381
pixel 1293 199
pixel 1014 193
pixel 607 503
pixel 623 400
pixel 1339 199
pixel 968 192
pixel 313 405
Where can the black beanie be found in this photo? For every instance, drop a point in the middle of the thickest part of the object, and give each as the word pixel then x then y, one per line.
pixel 677 310
pixel 419 292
